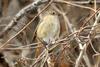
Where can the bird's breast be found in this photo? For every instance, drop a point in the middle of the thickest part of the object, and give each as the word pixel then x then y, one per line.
pixel 48 28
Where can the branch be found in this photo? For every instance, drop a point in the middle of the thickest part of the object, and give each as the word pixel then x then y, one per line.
pixel 67 23
pixel 85 2
pixel 73 4
pixel 21 13
pixel 85 45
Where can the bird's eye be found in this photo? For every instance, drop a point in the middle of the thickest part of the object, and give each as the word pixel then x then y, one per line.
pixel 53 13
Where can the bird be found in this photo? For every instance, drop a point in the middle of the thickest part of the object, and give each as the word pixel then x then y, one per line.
pixel 48 31
pixel 49 28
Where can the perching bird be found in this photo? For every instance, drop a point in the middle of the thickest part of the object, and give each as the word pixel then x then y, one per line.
pixel 49 28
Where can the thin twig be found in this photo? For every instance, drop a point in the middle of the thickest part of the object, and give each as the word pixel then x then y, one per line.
pixel 39 57
pixel 77 39
pixel 73 4
pixel 90 17
pixel 85 2
pixel 85 45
